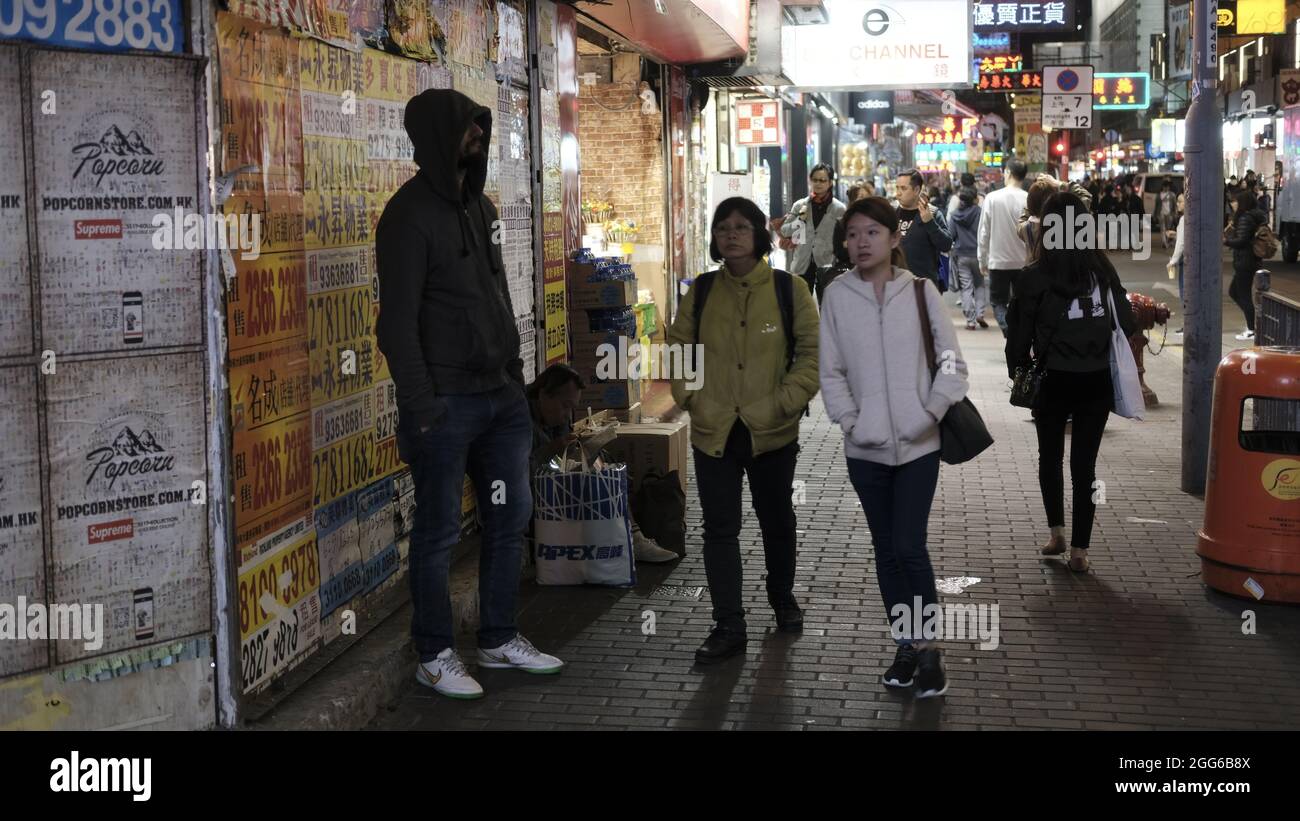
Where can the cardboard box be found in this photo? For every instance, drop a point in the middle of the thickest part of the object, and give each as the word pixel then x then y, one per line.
pixel 622 393
pixel 616 293
pixel 646 446
pixel 586 345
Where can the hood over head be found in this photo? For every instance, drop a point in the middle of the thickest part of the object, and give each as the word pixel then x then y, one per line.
pixel 436 121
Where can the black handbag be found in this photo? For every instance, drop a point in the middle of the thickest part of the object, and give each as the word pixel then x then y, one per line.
pixel 1027 380
pixel 962 432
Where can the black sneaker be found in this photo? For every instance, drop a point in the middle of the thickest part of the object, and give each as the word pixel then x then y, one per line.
pixel 901 671
pixel 931 681
pixel 722 643
pixel 789 618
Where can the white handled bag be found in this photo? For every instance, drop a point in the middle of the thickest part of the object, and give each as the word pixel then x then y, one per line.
pixel 581 525
pixel 1123 369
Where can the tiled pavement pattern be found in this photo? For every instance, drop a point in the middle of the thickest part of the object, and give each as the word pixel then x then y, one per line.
pixel 1138 643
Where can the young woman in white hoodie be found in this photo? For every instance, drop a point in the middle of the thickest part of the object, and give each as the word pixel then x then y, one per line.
pixel 876 385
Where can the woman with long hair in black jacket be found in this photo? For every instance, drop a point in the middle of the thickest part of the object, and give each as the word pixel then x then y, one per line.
pixel 1061 317
pixel 1240 237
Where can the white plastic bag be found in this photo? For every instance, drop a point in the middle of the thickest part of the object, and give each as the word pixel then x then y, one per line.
pixel 1124 370
pixel 581 526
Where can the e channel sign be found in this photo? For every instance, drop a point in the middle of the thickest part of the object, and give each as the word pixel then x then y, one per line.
pixel 1067 97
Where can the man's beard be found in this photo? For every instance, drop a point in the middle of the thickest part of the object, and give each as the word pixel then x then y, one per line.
pixel 471 157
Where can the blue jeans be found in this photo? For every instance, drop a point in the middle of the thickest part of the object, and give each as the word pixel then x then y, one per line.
pixel 897 502
pixel 487 435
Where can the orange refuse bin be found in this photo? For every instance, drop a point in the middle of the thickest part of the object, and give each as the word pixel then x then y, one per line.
pixel 1250 542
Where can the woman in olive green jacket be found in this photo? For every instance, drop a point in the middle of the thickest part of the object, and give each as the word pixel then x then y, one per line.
pixel 745 404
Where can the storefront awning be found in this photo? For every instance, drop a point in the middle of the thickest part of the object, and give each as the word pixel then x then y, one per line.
pixel 686 31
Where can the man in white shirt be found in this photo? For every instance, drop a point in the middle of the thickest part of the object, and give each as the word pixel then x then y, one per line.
pixel 1002 254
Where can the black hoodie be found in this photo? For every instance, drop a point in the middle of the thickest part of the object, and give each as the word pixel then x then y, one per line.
pixel 445 319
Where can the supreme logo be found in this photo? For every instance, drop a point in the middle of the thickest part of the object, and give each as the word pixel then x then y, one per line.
pixel 111 531
pixel 98 229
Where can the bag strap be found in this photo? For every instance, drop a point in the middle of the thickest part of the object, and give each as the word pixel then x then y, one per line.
pixel 703 283
pixel 784 282
pixel 927 333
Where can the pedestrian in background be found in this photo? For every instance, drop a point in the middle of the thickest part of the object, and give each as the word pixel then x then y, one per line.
pixel 1240 237
pixel 1001 252
pixel 1061 314
pixel 924 235
pixel 745 415
pixel 811 224
pixel 1176 259
pixel 974 287
pixel 877 387
pixel 1166 212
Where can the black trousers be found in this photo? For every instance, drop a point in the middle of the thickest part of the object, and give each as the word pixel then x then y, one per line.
pixel 1243 281
pixel 771 476
pixel 1000 282
pixel 1085 400
pixel 810 277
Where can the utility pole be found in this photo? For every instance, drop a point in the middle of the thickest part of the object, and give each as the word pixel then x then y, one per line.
pixel 1203 337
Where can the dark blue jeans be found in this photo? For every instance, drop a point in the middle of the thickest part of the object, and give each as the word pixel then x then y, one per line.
pixel 897 502
pixel 488 436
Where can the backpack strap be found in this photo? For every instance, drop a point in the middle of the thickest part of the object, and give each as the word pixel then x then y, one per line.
pixel 703 283
pixel 784 282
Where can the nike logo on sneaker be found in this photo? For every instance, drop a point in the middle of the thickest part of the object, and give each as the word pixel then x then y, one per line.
pixel 432 680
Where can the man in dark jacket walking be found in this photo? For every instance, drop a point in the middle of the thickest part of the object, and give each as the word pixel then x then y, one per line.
pixel 448 330
pixel 925 235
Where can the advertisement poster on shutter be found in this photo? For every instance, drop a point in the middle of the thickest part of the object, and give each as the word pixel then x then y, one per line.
pixel 279 612
pixel 266 301
pixel 261 116
pixel 125 448
pixel 15 272
pixel 467 31
pixel 120 255
pixel 340 555
pixel 272 468
pixel 268 383
pixel 22 557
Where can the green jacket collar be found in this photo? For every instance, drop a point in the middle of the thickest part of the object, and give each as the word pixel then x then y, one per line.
pixel 761 275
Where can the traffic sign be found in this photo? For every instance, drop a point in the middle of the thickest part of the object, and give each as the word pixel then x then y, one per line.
pixel 1067 97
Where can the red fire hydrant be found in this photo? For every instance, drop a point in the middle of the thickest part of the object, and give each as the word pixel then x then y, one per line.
pixel 1148 314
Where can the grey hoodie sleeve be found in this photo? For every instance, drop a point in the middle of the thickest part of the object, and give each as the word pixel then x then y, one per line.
pixel 401 259
pixel 837 397
pixel 950 382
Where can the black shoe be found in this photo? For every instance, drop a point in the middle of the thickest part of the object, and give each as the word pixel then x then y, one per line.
pixel 931 681
pixel 789 618
pixel 982 323
pixel 901 671
pixel 722 643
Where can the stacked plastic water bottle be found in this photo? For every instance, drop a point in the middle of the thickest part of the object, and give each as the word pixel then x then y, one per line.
pixel 621 321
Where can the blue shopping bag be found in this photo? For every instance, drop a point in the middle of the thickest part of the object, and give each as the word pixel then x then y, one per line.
pixel 581 527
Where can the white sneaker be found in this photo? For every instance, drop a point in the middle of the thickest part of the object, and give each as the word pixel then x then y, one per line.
pixel 648 550
pixel 447 675
pixel 519 654
pixel 1244 335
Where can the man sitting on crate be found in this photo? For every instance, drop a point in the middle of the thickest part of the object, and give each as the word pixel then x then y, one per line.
pixel 552 399
pixel 448 331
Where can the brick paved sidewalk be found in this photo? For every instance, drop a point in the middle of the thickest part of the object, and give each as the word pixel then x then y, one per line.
pixel 1139 643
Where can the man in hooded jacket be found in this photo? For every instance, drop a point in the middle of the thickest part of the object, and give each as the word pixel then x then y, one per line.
pixel 448 331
